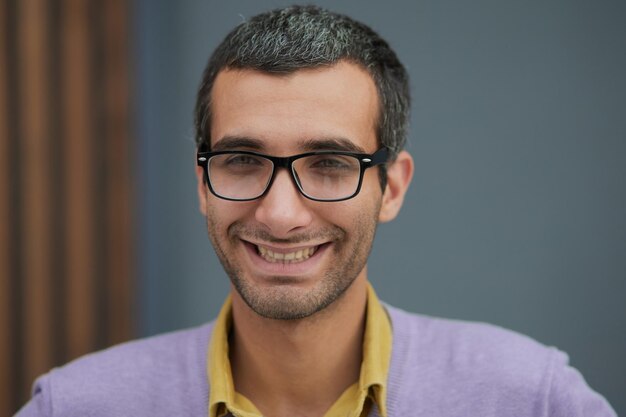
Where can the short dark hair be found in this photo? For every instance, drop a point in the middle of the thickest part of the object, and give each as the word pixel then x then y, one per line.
pixel 285 40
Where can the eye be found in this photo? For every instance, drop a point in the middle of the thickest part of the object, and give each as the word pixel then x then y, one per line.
pixel 243 160
pixel 238 164
pixel 331 162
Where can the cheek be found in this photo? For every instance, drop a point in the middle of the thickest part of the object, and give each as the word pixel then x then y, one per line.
pixel 365 215
pixel 220 214
pixel 356 216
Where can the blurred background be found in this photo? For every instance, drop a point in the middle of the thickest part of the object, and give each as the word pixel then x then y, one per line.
pixel 516 215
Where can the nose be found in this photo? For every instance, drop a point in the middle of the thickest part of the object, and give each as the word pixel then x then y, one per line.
pixel 283 209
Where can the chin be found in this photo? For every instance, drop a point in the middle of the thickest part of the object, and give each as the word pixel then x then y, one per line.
pixel 286 298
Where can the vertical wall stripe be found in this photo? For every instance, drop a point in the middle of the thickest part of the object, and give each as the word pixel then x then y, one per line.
pixel 57 208
pixel 6 251
pixel 119 189
pixel 77 117
pixel 97 88
pixel 34 165
pixel 16 369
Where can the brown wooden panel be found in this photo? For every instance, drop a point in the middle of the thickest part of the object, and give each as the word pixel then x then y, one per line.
pixel 7 393
pixel 118 170
pixel 34 166
pixel 52 248
pixel 79 179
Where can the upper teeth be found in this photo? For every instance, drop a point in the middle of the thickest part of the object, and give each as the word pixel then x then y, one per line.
pixel 290 257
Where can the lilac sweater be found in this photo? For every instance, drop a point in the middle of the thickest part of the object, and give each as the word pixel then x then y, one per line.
pixel 438 368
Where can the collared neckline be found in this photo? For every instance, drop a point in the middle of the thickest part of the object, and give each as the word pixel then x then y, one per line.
pixel 355 401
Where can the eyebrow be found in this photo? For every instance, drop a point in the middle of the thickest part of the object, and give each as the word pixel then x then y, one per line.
pixel 309 145
pixel 331 144
pixel 228 143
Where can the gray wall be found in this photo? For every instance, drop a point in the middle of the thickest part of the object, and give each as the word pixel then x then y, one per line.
pixel 516 215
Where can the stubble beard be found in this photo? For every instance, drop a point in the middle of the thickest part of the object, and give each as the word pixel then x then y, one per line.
pixel 288 302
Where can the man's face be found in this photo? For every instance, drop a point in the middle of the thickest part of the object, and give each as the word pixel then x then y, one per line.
pixel 289 257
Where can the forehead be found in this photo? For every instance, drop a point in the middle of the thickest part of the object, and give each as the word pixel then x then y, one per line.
pixel 284 113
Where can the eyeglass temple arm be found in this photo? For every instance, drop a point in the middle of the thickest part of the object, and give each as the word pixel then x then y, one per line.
pixel 377 158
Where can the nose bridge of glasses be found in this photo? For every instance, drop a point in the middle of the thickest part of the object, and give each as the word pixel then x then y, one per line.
pixel 287 164
pixel 282 187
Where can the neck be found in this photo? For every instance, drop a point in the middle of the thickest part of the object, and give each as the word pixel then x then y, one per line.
pixel 299 367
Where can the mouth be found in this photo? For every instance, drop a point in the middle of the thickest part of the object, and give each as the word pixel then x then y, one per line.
pixel 277 260
pixel 286 257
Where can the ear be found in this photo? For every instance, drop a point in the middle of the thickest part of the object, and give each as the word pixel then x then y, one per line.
pixel 202 190
pixel 399 174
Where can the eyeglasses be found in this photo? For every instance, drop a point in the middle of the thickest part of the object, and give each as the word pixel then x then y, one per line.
pixel 320 176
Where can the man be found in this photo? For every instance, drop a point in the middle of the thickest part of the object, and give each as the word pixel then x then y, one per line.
pixel 301 120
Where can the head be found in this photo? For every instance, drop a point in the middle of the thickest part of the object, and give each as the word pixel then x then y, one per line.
pixel 284 83
pixel 298 37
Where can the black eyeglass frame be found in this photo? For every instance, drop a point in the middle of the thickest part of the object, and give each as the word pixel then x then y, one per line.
pixel 365 161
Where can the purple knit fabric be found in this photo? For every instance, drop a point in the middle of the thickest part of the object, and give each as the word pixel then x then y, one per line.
pixel 438 368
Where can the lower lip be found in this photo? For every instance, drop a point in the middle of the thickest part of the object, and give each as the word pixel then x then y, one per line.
pixel 285 269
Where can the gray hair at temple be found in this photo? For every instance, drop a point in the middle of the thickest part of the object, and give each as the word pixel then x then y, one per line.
pixel 285 40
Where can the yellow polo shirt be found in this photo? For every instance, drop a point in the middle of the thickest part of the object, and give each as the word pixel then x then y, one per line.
pixel 355 401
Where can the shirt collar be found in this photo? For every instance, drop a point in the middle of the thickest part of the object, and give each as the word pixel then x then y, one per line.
pixel 372 383
pixel 377 342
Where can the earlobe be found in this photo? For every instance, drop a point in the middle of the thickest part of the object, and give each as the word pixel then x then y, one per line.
pixel 399 175
pixel 202 190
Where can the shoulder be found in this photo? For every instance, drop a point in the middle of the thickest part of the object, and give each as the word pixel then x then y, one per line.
pixel 483 366
pixel 464 340
pixel 469 348
pixel 160 375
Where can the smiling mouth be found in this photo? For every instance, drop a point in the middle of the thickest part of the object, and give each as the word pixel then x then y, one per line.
pixel 286 257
